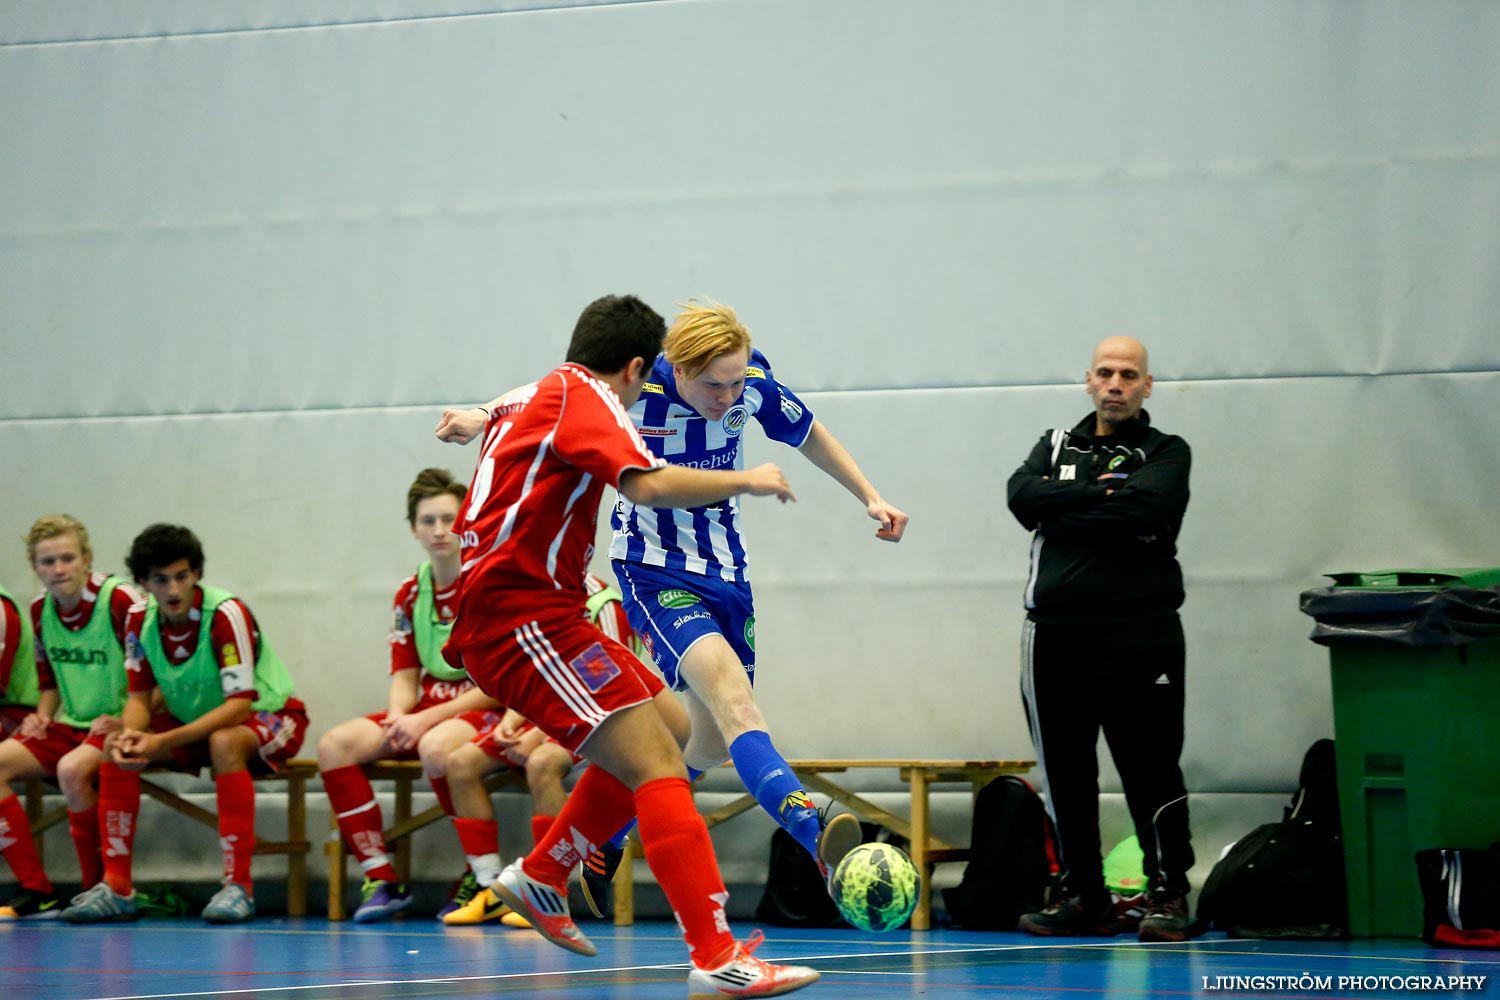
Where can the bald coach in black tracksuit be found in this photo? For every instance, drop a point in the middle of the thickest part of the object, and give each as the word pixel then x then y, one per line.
pixel 1102 643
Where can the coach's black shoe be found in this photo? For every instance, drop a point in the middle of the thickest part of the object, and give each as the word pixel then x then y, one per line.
pixel 1166 916
pixel 599 875
pixel 1071 917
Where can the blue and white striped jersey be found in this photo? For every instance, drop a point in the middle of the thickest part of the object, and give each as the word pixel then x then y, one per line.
pixel 703 540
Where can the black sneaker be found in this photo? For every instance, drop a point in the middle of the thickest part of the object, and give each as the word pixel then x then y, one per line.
pixel 28 904
pixel 1166 916
pixel 1071 918
pixel 599 875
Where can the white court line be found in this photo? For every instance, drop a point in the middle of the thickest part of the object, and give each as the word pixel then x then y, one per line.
pixel 387 982
pixel 1049 945
pixel 568 972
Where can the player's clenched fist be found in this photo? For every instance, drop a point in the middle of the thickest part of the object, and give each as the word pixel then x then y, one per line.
pixel 460 426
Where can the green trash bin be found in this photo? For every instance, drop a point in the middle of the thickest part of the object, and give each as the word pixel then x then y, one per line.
pixel 1414 657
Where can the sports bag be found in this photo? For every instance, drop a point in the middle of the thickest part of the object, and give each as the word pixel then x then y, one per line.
pixel 1460 897
pixel 1012 858
pixel 1286 879
pixel 795 893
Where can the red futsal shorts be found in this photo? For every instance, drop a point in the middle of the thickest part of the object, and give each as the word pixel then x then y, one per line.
pixel 11 717
pixel 55 744
pixel 560 672
pixel 280 735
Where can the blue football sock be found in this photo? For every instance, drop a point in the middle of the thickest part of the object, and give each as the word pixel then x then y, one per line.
pixel 618 840
pixel 769 778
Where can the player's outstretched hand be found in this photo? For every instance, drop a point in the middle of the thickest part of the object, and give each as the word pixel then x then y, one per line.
pixel 892 521
pixel 769 481
pixel 460 426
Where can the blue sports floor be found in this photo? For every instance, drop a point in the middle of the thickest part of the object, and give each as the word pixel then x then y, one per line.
pixel 312 959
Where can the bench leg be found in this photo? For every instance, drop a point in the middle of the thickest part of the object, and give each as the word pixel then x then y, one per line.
pixel 921 917
pixel 624 885
pixel 296 832
pixel 403 813
pixel 34 792
pixel 336 856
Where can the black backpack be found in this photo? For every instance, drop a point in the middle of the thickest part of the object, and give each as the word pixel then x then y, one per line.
pixel 1012 858
pixel 795 894
pixel 1286 879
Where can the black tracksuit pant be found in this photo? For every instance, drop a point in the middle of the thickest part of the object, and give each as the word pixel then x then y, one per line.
pixel 1126 678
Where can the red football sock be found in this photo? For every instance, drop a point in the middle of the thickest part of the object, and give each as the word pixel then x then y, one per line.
pixel 119 806
pixel 681 856
pixel 17 847
pixel 84 826
pixel 444 797
pixel 600 805
pixel 358 814
pixel 477 837
pixel 539 827
pixel 237 825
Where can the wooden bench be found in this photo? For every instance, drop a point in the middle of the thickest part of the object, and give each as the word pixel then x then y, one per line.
pixel 926 850
pixel 295 773
pixel 404 773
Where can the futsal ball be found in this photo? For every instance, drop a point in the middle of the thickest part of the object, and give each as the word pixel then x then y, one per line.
pixel 875 887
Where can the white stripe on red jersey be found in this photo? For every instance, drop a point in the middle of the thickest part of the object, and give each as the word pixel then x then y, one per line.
pixel 529 520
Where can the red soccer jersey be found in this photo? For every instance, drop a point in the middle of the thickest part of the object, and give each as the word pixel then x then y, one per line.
pixel 529 519
pixel 233 631
pixel 10 634
pixel 120 603
pixel 404 652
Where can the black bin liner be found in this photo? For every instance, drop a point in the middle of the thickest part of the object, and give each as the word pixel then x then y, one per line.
pixel 1439 614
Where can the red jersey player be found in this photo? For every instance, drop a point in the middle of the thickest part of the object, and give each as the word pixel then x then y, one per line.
pixel 228 704
pixel 79 624
pixel 431 708
pixel 515 743
pixel 527 529
pixel 18 691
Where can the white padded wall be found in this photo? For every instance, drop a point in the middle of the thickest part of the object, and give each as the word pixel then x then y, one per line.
pixel 248 250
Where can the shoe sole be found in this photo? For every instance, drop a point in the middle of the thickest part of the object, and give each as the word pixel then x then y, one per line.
pixel 583 947
pixel 390 910
pixel 1036 931
pixel 53 914
pixel 1158 934
pixel 839 837
pixel 113 918
pixel 774 992
pixel 599 907
pixel 228 919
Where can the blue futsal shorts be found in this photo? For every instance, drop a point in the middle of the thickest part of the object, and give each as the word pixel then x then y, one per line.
pixel 670 610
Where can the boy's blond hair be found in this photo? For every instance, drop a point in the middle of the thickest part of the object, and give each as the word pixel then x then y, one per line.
pixel 52 526
pixel 703 331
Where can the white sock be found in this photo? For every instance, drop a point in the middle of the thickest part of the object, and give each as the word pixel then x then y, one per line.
pixel 486 867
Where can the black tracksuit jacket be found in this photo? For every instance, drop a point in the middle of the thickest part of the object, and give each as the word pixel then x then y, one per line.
pixel 1099 558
